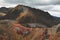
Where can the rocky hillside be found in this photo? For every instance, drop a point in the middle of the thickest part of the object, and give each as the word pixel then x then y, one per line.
pixel 9 31
pixel 26 23
pixel 25 14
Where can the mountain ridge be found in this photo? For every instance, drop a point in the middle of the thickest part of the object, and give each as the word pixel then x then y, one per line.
pixel 25 14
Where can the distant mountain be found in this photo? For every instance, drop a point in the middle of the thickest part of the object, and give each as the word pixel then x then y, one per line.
pixel 4 9
pixel 25 14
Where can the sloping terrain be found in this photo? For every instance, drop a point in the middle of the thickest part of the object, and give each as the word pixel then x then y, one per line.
pixel 25 14
pixel 7 32
pixel 15 25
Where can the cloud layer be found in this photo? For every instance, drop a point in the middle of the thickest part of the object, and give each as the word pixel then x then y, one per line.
pixel 34 2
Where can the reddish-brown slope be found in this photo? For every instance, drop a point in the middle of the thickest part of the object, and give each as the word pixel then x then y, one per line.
pixel 35 34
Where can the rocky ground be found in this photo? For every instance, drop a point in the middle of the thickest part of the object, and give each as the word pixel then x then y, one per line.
pixel 7 32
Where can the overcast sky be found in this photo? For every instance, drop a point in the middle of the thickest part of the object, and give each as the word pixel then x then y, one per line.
pixel 52 6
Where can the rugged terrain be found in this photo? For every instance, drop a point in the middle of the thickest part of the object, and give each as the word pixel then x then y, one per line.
pixel 26 23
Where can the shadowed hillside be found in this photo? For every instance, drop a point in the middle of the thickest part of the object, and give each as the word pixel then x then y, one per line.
pixel 25 14
pixel 4 9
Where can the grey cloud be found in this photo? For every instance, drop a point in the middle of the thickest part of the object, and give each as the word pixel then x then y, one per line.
pixel 34 2
pixel 56 2
pixel 16 1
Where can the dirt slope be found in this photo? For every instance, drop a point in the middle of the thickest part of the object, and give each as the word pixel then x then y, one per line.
pixel 7 32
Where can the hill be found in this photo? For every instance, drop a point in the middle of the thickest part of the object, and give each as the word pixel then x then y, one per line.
pixel 8 32
pixel 15 24
pixel 25 14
